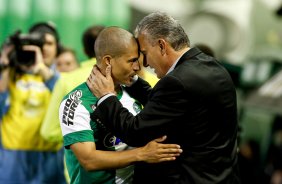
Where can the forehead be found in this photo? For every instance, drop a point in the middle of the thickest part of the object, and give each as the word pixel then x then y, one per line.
pixel 65 55
pixel 50 38
pixel 132 49
pixel 143 42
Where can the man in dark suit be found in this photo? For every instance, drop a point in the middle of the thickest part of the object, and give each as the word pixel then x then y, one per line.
pixel 194 104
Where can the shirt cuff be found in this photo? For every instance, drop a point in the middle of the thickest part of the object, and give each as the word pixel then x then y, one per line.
pixel 104 98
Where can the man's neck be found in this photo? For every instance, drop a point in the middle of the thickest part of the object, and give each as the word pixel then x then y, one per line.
pixel 117 88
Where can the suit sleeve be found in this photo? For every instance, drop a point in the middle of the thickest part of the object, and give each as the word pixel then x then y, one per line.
pixel 156 119
pixel 140 91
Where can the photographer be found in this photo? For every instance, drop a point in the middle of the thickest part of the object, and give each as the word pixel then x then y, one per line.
pixel 28 75
pixel 50 50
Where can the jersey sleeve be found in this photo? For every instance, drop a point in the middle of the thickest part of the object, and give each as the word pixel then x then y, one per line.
pixel 75 122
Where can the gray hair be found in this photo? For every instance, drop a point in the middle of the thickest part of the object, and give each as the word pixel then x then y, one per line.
pixel 160 25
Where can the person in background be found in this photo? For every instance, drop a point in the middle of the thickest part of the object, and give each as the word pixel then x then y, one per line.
pixel 50 129
pixel 66 60
pixel 29 79
pixel 92 152
pixel 50 49
pixel 205 49
pixel 193 103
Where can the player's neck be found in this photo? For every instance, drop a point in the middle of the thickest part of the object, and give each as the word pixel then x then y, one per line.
pixel 117 88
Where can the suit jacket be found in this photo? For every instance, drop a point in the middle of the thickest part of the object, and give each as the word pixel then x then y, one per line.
pixel 195 106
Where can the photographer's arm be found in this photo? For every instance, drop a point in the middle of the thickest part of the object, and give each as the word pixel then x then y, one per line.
pixel 50 83
pixel 5 70
pixel 46 72
pixel 4 79
pixel 4 93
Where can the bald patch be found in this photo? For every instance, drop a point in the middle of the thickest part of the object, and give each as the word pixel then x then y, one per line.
pixel 113 41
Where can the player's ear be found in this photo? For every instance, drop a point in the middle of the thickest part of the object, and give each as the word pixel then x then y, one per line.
pixel 107 59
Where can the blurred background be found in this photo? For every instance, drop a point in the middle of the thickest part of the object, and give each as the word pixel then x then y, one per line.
pixel 235 29
pixel 245 35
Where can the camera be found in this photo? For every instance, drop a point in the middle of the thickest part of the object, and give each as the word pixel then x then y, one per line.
pixel 19 56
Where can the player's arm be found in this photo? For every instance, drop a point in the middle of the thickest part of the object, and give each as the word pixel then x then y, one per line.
pixel 154 152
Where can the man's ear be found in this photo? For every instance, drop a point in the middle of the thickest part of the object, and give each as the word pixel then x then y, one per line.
pixel 162 45
pixel 107 60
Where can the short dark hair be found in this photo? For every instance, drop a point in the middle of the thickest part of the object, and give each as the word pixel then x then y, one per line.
pixel 205 49
pixel 113 41
pixel 45 27
pixel 88 39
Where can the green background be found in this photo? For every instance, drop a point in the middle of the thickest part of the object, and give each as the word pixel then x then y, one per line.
pixel 71 17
